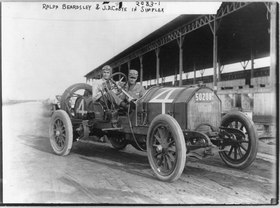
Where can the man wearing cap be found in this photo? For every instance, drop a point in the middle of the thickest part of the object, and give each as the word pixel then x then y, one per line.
pixel 134 89
pixel 103 87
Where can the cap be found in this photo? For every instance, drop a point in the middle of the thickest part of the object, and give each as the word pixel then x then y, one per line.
pixel 107 68
pixel 133 73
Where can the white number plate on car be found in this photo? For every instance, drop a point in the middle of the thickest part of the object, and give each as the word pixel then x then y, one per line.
pixel 203 96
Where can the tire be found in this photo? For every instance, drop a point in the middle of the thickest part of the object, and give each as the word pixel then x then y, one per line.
pixel 160 149
pixel 246 147
pixel 118 143
pixel 61 133
pixel 68 94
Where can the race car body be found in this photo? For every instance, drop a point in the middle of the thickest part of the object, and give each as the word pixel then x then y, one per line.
pixel 170 123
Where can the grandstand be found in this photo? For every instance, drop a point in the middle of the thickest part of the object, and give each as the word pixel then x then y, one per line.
pixel 198 48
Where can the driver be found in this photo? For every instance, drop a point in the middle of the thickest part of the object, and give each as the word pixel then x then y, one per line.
pixel 134 89
pixel 103 87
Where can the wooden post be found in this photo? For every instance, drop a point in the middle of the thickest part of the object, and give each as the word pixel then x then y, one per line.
pixel 219 71
pixel 252 66
pixel 157 72
pixel 194 71
pixel 141 69
pixel 119 71
pixel 273 45
pixel 128 65
pixel 180 42
pixel 215 39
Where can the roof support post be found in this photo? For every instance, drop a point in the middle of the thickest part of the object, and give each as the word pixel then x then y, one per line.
pixel 128 66
pixel 180 42
pixel 215 40
pixel 141 69
pixel 252 65
pixel 214 29
pixel 157 73
pixel 119 67
pixel 273 45
pixel 194 71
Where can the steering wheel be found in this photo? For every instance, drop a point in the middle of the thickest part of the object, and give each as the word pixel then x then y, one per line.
pixel 122 78
pixel 115 85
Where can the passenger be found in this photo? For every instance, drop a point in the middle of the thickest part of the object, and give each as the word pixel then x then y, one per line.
pixel 134 89
pixel 103 87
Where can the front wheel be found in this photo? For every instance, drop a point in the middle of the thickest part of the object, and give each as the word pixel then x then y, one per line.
pixel 243 151
pixel 61 133
pixel 166 148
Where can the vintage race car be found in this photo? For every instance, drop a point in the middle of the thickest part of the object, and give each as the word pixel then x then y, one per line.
pixel 169 123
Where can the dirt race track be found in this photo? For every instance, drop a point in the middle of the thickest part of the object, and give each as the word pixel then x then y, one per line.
pixel 96 173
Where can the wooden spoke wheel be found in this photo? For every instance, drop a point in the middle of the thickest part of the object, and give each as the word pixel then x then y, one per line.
pixel 166 148
pixel 61 133
pixel 242 152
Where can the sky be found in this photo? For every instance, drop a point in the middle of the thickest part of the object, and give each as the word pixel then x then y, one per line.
pixel 46 48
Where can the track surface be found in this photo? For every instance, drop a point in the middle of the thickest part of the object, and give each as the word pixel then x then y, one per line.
pixel 96 173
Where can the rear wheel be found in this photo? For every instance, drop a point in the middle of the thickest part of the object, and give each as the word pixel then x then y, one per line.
pixel 243 151
pixel 61 133
pixel 166 148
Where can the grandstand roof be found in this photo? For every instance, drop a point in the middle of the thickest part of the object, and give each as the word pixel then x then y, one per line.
pixel 241 33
